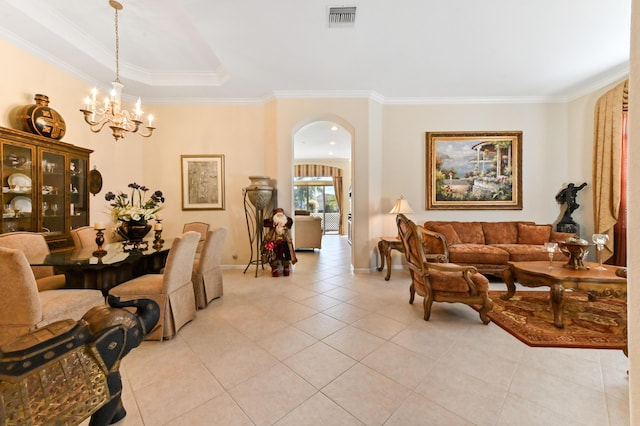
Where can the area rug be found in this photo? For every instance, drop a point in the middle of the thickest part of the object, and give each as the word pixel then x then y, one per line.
pixel 601 324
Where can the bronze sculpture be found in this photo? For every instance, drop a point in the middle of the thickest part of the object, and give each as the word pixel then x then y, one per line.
pixel 568 196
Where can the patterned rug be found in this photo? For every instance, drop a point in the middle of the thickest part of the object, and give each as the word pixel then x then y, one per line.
pixel 528 316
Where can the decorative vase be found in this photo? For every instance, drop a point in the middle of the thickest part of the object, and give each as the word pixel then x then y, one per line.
pixel 260 191
pixel 134 231
pixel 42 119
pixel 577 251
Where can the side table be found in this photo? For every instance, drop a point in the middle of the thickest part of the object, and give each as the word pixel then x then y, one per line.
pixel 385 245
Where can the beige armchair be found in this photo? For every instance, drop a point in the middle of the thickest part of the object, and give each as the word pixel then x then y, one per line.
pixel 207 272
pixel 23 308
pixel 308 232
pixel 441 282
pixel 172 290
pixel 34 244
pixel 199 227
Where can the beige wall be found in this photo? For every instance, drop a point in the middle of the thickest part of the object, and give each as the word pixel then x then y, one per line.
pixel 388 152
pixel 237 132
pixel 544 155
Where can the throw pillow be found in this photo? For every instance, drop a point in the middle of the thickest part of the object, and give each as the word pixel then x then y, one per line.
pixel 533 234
pixel 449 233
pixel 500 232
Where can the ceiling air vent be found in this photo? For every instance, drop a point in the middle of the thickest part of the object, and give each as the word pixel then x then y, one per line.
pixel 341 16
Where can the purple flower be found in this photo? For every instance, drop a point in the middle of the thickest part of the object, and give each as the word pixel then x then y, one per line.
pixel 157 196
pixel 109 196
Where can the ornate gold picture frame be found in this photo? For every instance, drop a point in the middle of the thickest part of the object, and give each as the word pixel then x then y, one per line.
pixel 202 182
pixel 474 170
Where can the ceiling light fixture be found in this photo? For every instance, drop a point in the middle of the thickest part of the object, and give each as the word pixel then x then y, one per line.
pixel 119 120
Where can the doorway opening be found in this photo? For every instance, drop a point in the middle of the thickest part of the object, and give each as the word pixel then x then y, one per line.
pixel 322 174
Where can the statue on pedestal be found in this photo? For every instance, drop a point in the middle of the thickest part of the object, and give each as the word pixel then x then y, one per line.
pixel 568 196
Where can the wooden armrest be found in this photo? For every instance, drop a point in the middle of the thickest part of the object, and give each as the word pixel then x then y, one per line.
pixel 439 258
pixel 452 267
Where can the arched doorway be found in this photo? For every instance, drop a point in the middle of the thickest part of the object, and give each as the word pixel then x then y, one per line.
pixel 322 173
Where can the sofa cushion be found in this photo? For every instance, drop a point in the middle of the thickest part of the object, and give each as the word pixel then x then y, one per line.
pixel 528 252
pixel 477 254
pixel 452 283
pixel 500 232
pixel 449 233
pixel 533 234
pixel 469 232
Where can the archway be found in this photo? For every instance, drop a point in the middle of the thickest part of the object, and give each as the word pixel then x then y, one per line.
pixel 322 157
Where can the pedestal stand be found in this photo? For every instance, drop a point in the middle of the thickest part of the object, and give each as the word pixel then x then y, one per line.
pixel 256 201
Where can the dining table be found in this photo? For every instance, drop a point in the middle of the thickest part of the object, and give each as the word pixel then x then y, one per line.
pixel 102 270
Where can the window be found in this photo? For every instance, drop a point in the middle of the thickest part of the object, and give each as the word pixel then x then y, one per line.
pixel 317 196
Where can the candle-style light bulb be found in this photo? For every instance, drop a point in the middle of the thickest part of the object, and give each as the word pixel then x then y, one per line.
pixel 138 108
pixel 150 120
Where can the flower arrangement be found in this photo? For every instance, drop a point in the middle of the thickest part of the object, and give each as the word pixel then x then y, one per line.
pixel 133 209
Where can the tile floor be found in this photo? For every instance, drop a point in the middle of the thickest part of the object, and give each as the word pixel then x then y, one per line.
pixel 326 347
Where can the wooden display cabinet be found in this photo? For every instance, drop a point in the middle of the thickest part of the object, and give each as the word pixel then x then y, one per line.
pixel 44 186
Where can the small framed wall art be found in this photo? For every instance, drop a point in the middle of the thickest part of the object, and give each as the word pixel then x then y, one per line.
pixel 202 182
pixel 474 170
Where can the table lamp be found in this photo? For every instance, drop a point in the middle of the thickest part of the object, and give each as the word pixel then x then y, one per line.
pixel 401 207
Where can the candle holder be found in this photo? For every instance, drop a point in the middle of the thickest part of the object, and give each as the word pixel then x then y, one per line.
pixel 100 242
pixel 157 240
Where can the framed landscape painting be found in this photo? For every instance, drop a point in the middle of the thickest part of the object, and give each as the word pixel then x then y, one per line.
pixel 202 182
pixel 474 170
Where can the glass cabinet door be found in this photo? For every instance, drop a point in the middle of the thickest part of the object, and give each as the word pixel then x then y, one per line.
pixel 17 189
pixel 79 195
pixel 52 192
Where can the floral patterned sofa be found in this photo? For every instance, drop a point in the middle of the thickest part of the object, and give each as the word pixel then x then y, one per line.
pixel 490 245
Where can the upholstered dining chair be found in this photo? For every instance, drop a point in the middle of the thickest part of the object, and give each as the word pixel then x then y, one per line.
pixel 199 227
pixel 207 272
pixel 23 308
pixel 34 244
pixel 441 282
pixel 172 289
pixel 84 236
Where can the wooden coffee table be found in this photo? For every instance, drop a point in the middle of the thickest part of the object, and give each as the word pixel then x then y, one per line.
pixel 595 282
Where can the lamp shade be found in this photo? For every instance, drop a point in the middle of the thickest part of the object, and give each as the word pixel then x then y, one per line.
pixel 401 207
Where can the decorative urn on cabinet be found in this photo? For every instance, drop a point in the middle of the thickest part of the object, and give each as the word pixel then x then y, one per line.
pixel 41 119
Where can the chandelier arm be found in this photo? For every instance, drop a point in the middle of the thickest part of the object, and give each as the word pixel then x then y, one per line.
pixel 146 135
pixel 87 113
pixel 97 126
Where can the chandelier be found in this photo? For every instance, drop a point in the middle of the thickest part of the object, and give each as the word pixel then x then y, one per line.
pixel 110 112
